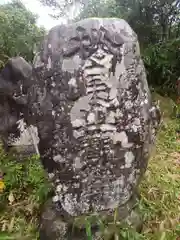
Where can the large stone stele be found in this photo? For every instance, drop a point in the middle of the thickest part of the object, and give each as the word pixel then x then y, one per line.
pixel 97 121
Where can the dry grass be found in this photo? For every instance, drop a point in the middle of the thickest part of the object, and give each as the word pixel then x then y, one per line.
pixel 160 189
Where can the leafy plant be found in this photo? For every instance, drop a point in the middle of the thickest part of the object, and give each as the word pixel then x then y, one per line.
pixel 161 62
pixel 19 32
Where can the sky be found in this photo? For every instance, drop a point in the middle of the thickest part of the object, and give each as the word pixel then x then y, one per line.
pixel 44 19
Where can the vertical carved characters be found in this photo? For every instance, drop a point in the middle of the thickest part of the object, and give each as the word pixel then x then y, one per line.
pixel 93 110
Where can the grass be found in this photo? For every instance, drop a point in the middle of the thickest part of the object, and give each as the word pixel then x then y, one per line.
pixel 27 187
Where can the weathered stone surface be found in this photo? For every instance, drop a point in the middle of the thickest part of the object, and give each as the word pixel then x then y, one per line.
pixel 15 134
pixel 89 99
pixel 95 117
pixel 94 114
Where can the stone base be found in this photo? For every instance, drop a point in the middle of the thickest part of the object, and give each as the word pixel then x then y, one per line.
pixel 54 227
pixel 20 152
pixel 24 146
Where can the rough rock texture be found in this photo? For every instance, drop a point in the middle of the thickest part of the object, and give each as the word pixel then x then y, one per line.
pixel 53 226
pixel 14 133
pixel 94 114
pixel 89 99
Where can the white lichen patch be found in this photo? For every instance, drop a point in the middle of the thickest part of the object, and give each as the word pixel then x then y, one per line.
pixel 105 61
pixel 110 117
pixel 136 125
pixel 129 158
pixel 53 84
pixel 92 128
pixel 119 113
pixel 118 184
pixel 78 133
pixel 71 64
pixel 107 127
pixel 128 104
pixel 69 203
pixel 115 102
pixel 113 93
pixel 137 121
pixel 103 95
pixel 59 188
pixel 91 118
pixel 51 175
pixel 121 138
pixel 134 128
pixel 55 198
pixel 78 123
pixel 77 163
pixel 72 82
pixel 49 64
pixel 58 158
pixel 53 113
pixel 65 188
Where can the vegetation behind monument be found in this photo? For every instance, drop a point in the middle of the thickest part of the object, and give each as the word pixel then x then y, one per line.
pixel 157 24
pixel 160 190
pixel 19 33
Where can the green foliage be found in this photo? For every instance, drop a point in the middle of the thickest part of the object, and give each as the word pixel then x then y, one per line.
pixel 162 64
pixel 102 8
pixel 157 24
pixel 20 176
pixel 19 33
pixel 26 188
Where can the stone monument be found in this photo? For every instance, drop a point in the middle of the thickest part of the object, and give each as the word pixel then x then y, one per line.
pixel 89 99
pixel 95 120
